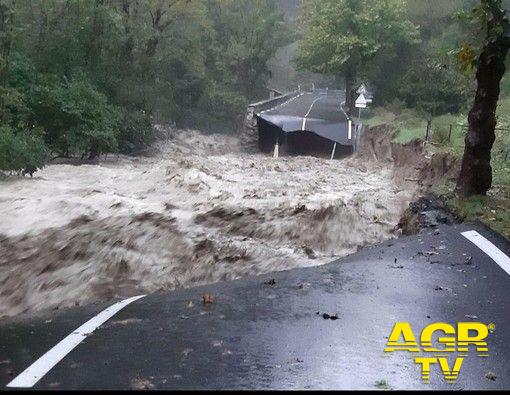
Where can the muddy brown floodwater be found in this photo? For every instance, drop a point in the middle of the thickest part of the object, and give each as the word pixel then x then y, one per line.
pixel 199 211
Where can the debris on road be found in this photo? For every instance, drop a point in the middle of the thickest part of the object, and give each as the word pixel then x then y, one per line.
pixel 491 376
pixel 208 298
pixel 142 384
pixel 428 211
pixel 327 316
pixel 382 384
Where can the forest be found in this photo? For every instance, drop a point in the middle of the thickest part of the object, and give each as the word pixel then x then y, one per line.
pixel 86 77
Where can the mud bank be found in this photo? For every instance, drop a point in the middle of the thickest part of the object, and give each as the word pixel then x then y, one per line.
pixel 199 211
pixel 414 164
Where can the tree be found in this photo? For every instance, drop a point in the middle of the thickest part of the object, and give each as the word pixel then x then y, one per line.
pixel 22 151
pixel 87 77
pixel 248 34
pixel 343 36
pixel 77 118
pixel 475 177
pixel 444 90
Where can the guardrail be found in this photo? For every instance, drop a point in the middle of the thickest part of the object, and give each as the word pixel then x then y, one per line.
pixel 253 108
pixel 265 104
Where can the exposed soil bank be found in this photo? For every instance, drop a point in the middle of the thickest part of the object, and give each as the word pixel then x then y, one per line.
pixel 414 166
pixel 413 163
pixel 201 210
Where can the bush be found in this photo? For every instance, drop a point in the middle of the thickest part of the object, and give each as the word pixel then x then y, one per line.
pixel 136 132
pixel 77 118
pixel 22 151
pixel 223 104
pixel 396 106
pixel 434 89
pixel 440 134
pixel 13 109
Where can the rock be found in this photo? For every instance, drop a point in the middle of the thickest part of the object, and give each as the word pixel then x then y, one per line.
pixel 141 384
pixel 309 252
pixel 428 211
pixel 327 316
pixel 491 376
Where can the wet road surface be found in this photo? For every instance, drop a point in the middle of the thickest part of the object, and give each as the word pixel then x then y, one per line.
pixel 319 112
pixel 269 332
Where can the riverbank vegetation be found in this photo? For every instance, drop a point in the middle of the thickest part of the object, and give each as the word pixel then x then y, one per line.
pixel 86 77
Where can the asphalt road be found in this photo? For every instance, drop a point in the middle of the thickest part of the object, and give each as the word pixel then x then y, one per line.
pixel 269 332
pixel 319 112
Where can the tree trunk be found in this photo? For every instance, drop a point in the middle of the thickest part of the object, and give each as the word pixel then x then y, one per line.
pixel 350 78
pixel 94 151
pixel 93 48
pixel 152 44
pixel 476 172
pixel 128 46
pixel 6 33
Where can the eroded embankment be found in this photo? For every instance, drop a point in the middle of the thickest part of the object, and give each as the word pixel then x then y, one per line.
pixel 199 211
pixel 415 165
pixel 412 162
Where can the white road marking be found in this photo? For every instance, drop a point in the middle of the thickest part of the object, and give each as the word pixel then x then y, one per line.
pixel 31 375
pixel 490 249
pixel 308 113
pixel 282 104
pixel 349 132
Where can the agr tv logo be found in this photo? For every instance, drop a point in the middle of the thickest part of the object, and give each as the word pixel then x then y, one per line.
pixel 457 340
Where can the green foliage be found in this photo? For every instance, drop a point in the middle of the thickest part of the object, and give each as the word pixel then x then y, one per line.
pixel 13 110
pixel 91 75
pixel 443 90
pixel 247 35
pixel 136 132
pixel 505 86
pixel 480 18
pixel 77 118
pixel 224 103
pixel 343 34
pixel 472 207
pixel 346 36
pixel 428 76
pixel 377 41
pixel 441 134
pixel 22 151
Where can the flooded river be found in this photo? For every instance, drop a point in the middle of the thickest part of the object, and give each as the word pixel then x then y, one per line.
pixel 201 210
